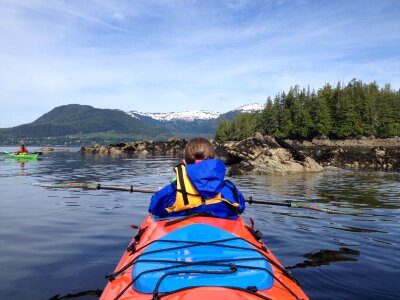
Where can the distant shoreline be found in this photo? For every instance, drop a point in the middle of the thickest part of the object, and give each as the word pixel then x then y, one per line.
pixel 364 142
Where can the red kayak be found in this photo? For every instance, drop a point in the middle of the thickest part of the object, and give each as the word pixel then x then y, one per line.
pixel 199 257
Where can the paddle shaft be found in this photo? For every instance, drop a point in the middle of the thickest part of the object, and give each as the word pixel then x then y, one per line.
pixel 251 201
pixel 94 186
pixel 124 188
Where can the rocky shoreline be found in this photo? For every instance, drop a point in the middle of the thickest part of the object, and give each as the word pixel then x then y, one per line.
pixel 377 158
pixel 265 154
pixel 364 142
pixel 172 147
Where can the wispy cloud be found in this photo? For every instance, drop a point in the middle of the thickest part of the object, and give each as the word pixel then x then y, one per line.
pixel 179 55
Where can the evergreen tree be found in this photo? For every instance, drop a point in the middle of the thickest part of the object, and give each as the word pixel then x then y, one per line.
pixel 268 120
pixel 388 117
pixel 369 114
pixel 243 126
pixel 223 131
pixel 301 120
pixel 347 120
pixel 320 115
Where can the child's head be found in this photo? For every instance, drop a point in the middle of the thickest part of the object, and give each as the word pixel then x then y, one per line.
pixel 198 149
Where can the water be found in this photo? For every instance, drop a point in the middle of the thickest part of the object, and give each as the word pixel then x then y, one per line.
pixel 61 241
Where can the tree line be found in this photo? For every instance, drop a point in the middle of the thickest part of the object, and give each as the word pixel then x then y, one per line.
pixel 345 111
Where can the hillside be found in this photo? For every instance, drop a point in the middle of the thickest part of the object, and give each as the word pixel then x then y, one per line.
pixel 76 121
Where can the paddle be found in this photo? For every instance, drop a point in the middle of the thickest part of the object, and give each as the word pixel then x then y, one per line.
pixel 300 205
pixel 97 186
pixel 131 189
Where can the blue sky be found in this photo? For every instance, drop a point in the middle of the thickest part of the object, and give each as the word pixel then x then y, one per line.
pixel 161 56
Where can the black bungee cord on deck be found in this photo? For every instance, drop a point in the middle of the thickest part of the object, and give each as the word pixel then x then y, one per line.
pixel 252 289
pixel 189 244
pixel 233 268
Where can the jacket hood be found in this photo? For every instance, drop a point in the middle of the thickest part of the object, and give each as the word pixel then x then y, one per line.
pixel 207 177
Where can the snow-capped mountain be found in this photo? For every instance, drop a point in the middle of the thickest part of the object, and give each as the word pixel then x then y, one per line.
pixel 194 122
pixel 191 115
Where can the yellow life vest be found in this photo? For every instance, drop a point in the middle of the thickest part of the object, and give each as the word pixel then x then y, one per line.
pixel 186 195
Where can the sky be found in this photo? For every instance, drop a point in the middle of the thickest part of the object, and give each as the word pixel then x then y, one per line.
pixel 167 55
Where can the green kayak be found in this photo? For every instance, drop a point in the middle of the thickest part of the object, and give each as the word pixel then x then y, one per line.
pixel 22 155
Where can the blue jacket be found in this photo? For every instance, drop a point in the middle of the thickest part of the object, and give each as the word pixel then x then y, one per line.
pixel 207 177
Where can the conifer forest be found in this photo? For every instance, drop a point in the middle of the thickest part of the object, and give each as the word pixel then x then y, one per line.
pixel 344 111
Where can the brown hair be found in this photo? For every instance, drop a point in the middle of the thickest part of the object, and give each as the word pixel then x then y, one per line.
pixel 198 149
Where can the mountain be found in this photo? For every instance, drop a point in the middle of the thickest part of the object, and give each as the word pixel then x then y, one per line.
pixel 83 124
pixel 76 121
pixel 192 123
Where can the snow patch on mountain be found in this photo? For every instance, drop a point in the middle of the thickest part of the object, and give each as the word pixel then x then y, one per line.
pixel 250 108
pixel 193 115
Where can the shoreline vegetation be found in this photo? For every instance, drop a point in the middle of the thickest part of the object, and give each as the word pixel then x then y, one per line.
pixel 264 154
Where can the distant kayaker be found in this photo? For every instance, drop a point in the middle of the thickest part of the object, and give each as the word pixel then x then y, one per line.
pixel 22 150
pixel 199 186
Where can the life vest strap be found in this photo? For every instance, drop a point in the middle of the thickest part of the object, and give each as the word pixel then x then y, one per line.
pixel 182 187
pixel 216 199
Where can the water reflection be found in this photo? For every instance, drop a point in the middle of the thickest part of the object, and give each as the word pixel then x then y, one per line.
pixel 326 257
pixel 67 232
pixel 20 167
pixel 91 294
pixel 23 170
pixel 340 189
pixel 356 229
pixel 361 189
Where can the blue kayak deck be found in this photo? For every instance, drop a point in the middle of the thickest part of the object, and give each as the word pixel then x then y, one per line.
pixel 200 255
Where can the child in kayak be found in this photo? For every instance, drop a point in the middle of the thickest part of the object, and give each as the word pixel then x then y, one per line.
pixel 199 186
pixel 22 150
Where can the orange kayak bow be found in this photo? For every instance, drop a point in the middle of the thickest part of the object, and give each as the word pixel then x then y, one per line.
pixel 199 257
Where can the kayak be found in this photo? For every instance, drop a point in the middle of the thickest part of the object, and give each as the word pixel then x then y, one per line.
pixel 22 155
pixel 199 256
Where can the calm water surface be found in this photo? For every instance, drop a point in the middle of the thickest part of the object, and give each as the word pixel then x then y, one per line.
pixel 59 241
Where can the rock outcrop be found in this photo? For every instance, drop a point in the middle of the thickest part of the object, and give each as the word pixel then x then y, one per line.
pixel 264 155
pixel 51 150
